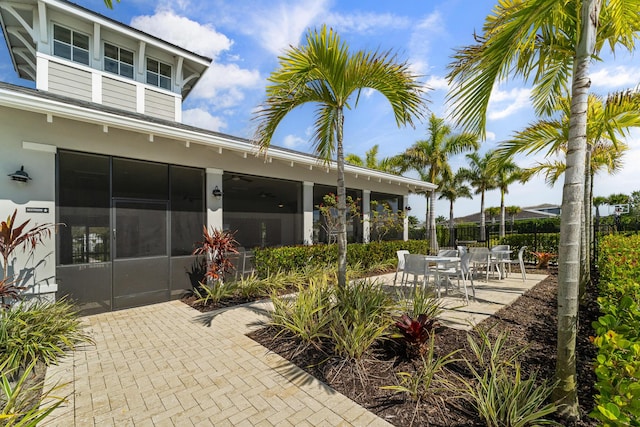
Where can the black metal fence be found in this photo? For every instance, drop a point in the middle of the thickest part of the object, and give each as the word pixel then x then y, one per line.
pixel 538 236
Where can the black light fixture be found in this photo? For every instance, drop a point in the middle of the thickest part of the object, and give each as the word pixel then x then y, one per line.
pixel 408 208
pixel 217 193
pixel 20 175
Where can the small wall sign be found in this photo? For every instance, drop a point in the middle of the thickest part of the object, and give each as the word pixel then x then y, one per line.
pixel 37 210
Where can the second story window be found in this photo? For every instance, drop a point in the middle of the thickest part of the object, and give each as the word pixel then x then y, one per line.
pixel 158 74
pixel 118 60
pixel 70 45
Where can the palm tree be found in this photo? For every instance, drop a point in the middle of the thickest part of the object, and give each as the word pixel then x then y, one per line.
pixel 430 158
pixel 452 189
pixel 109 3
pixel 506 174
pixel 513 211
pixel 551 44
pixel 492 212
pixel 480 176
pixel 326 73
pixel 597 202
pixel 386 164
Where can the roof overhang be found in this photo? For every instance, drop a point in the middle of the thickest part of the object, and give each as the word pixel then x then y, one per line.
pixel 50 106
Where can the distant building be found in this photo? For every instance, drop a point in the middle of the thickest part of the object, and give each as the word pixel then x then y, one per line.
pixel 542 211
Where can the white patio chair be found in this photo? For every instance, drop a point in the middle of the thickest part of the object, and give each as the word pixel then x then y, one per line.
pixel 520 261
pixel 480 259
pixel 400 267
pixel 500 258
pixel 415 265
pixel 458 270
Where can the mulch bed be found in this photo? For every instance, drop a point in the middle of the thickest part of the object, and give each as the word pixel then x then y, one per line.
pixel 531 321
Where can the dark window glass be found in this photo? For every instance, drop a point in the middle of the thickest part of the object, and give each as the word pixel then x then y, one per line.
pixel 393 203
pixel 83 189
pixel 322 232
pixel 62 50
pixel 187 209
pixel 158 74
pixel 62 34
pixel 262 211
pixel 141 229
pixel 118 60
pixel 140 180
pixel 81 41
pixel 70 45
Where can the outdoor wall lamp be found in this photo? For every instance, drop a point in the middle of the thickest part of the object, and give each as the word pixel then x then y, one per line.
pixel 217 193
pixel 20 175
pixel 408 208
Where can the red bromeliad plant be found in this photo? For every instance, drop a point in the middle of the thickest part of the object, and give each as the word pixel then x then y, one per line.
pixel 216 247
pixel 13 237
pixel 416 332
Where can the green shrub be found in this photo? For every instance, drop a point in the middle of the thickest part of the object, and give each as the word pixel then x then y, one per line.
pixel 296 258
pixel 617 365
pixel 39 331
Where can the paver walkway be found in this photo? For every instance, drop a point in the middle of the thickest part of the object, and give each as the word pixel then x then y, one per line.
pixel 169 365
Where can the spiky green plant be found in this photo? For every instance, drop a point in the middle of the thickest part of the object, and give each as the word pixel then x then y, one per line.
pixel 498 392
pixel 38 330
pixel 307 314
pixel 21 404
pixel 215 292
pixel 362 315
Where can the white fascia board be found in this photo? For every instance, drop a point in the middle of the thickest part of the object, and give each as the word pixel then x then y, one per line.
pixel 123 29
pixel 27 102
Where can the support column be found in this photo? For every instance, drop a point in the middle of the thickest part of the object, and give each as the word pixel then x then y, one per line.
pixel 214 206
pixel 307 212
pixel 366 216
pixel 405 233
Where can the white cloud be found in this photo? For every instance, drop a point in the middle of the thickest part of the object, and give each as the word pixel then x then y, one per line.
pixel 615 77
pixel 183 32
pixel 429 28
pixel 222 83
pixel 278 25
pixel 293 141
pixel 437 83
pixel 203 119
pixel 506 103
pixel 364 23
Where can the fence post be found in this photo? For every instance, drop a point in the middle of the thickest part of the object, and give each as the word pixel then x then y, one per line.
pixel 535 236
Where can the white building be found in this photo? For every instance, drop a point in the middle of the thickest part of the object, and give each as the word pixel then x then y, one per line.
pixel 101 138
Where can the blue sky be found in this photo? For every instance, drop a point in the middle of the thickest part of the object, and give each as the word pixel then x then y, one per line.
pixel 244 38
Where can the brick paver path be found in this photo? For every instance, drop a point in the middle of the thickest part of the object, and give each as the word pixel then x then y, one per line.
pixel 169 365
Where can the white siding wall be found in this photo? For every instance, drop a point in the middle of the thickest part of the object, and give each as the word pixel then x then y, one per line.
pixel 69 81
pixel 118 94
pixel 159 105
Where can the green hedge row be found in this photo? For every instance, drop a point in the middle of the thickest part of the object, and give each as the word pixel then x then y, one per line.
pixel 618 332
pixel 291 258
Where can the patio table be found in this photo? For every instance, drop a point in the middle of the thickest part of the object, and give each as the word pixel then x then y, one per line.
pixel 500 256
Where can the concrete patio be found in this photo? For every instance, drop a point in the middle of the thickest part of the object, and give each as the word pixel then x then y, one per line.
pixel 169 365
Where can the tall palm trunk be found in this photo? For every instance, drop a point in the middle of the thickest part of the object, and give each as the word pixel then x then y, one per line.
pixel 433 238
pixel 483 226
pixel 503 214
pixel 452 240
pixel 572 197
pixel 342 205
pixel 585 265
